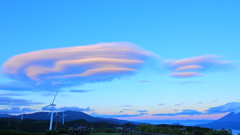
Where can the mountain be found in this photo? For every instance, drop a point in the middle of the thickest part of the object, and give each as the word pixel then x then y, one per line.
pixel 71 115
pixel 229 121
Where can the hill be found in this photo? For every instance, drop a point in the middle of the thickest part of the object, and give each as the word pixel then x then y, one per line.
pixel 229 121
pixel 71 116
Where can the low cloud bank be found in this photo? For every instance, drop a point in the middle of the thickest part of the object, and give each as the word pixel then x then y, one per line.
pixel 74 108
pixel 229 107
pixel 16 110
pixel 117 115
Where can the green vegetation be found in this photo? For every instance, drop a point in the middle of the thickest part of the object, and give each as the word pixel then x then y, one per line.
pixel 181 130
pixel 105 134
pixel 11 132
pixel 40 127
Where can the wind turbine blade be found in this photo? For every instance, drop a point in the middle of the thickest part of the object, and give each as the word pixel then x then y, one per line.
pixel 48 114
pixel 46 106
pixel 54 97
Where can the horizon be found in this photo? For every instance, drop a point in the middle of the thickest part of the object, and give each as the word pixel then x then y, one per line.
pixel 185 122
pixel 130 60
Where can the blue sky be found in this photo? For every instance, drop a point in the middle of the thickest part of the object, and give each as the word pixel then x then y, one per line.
pixel 128 59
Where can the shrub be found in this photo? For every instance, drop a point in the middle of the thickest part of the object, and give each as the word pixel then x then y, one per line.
pixel 62 131
pixel 11 132
pixel 109 130
pixel 51 132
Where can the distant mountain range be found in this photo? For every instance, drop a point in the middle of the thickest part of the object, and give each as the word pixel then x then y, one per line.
pixel 71 115
pixel 229 121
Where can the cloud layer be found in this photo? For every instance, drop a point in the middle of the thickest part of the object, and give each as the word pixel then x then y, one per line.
pixel 73 108
pixel 17 110
pixel 13 86
pixel 117 115
pixel 17 102
pixel 82 64
pixel 195 66
pixel 183 112
pixel 229 107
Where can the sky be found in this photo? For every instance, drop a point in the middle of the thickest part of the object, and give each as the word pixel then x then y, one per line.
pixel 128 59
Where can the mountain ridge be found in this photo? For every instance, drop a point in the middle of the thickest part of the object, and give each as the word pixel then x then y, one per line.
pixel 71 115
pixel 229 121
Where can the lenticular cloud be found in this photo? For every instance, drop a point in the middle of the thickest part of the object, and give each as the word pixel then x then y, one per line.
pixel 195 66
pixel 92 63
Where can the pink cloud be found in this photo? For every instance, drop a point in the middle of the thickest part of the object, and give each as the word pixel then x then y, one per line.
pixel 86 64
pixel 188 67
pixel 185 74
pixel 194 66
pixel 179 104
pixel 145 81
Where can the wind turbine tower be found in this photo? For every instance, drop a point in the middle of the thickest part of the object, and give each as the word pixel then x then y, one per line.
pixel 52 109
pixel 22 115
pixel 63 117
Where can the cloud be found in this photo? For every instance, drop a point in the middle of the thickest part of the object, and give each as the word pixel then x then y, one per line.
pixel 128 110
pixel 126 105
pixel 145 81
pixel 80 91
pixel 17 102
pixel 13 86
pixel 73 108
pixel 229 107
pixel 17 110
pixel 161 104
pixel 183 112
pixel 10 94
pixel 87 109
pixel 116 116
pixel 195 66
pixel 179 104
pixel 185 74
pixel 184 82
pixel 141 111
pixel 64 67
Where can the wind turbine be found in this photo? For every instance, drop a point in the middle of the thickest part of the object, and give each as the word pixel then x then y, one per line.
pixel 52 109
pixel 22 115
pixel 63 117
